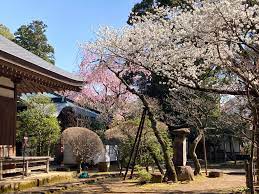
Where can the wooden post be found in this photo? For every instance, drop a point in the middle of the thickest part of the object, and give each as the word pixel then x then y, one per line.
pixel 138 142
pixel 47 166
pixel 135 142
pixel 1 170
pixel 205 153
pixel 27 168
pixel 247 174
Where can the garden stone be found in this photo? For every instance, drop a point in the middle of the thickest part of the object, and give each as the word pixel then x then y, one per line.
pixel 215 174
pixel 156 178
pixel 184 173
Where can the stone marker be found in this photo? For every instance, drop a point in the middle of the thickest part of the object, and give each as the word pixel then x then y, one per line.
pixel 184 173
pixel 180 154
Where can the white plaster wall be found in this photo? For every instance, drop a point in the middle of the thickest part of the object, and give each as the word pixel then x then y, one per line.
pixel 6 92
pixel 6 82
pixel 113 149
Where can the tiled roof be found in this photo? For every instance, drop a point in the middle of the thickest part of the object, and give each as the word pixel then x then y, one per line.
pixel 15 50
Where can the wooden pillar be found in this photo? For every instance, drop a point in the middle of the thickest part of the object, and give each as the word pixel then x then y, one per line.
pixel 47 166
pixel 16 82
pixel 247 174
pixel 1 170
pixel 205 153
pixel 27 168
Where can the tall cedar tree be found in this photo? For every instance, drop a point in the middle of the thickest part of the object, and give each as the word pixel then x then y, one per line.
pixel 149 6
pixel 4 31
pixel 32 37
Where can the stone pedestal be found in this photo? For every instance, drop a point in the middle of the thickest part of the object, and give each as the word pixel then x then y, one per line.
pixel 184 173
pixel 156 178
pixel 180 147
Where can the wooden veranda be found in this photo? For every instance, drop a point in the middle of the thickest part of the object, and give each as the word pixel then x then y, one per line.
pixel 23 72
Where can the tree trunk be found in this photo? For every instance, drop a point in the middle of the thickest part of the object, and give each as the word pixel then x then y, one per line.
pixel 79 167
pixel 170 169
pixel 205 153
pixel 250 169
pixel 121 167
pixel 256 132
pixel 171 172
pixel 119 160
pixel 193 154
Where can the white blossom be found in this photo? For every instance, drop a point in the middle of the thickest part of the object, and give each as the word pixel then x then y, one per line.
pixel 184 45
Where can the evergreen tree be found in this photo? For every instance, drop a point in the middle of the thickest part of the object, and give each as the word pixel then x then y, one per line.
pixel 4 31
pixel 32 37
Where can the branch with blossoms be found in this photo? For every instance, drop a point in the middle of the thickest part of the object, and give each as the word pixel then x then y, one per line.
pixel 185 45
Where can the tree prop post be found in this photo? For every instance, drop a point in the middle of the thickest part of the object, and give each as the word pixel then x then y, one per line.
pixel 136 144
pixel 205 153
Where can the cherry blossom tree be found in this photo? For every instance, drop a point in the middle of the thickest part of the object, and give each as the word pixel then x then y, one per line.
pixel 103 90
pixel 118 70
pixel 213 48
pixel 186 46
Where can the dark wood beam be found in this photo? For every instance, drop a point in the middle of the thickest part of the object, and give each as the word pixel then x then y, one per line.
pixel 6 87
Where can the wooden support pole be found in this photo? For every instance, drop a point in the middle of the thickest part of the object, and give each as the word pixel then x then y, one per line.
pixel 134 145
pixel 247 174
pixel 142 122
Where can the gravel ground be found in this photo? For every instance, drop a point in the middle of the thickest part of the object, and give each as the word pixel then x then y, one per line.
pixel 202 184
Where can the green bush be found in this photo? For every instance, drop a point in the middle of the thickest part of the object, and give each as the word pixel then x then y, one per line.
pixel 144 176
pixel 137 168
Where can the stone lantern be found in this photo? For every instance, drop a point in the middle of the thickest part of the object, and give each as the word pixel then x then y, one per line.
pixel 180 147
pixel 180 155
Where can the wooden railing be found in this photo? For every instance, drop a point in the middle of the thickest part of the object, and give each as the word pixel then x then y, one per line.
pixel 23 165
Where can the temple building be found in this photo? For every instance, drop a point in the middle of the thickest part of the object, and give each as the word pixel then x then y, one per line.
pixel 23 72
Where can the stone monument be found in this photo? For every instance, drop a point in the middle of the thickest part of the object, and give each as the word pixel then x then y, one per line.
pixel 180 147
pixel 184 172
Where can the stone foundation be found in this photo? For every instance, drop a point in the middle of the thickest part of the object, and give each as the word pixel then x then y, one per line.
pixel 184 173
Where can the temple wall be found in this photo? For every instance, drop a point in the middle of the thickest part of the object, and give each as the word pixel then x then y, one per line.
pixel 7 117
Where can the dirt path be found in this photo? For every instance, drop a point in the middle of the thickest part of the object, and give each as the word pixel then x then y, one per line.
pixel 225 184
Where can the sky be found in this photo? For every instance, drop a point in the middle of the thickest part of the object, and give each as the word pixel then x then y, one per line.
pixel 70 22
